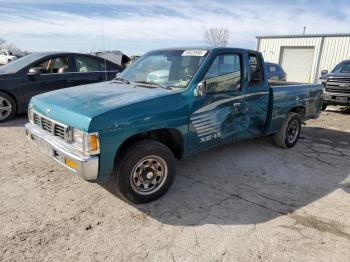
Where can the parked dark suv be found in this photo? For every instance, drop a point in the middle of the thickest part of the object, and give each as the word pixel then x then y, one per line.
pixel 337 85
pixel 275 72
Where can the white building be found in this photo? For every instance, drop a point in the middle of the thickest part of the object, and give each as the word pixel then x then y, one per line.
pixel 304 56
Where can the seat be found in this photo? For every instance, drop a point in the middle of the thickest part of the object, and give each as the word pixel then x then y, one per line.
pixel 83 69
pixel 64 65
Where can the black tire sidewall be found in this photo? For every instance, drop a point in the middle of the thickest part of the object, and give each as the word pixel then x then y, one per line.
pixel 127 162
pixel 294 117
pixel 13 106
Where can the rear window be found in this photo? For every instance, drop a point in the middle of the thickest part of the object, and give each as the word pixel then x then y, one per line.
pixel 272 68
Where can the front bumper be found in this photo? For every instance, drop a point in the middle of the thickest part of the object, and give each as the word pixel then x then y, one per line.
pixel 336 98
pixel 60 151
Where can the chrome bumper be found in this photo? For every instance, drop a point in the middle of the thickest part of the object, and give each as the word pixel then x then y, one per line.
pixel 84 166
pixel 336 98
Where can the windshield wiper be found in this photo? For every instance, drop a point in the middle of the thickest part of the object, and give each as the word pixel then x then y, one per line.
pixel 120 80
pixel 151 84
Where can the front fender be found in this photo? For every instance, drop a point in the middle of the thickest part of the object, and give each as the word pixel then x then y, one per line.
pixel 112 140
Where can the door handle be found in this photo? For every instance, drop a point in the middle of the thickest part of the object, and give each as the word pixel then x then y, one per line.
pixel 237 107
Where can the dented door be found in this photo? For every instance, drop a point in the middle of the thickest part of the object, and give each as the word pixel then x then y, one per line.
pixel 217 116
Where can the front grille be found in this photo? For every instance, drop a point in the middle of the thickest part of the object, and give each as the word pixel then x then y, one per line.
pixel 334 89
pixel 338 85
pixel 50 126
pixel 46 124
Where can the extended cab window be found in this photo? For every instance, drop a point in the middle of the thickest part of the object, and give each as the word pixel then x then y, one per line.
pixel 57 65
pixel 88 64
pixel 256 76
pixel 224 74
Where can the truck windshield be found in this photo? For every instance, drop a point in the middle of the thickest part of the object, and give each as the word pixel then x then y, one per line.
pixel 168 68
pixel 342 68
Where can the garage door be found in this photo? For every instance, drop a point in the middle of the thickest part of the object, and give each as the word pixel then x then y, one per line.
pixel 297 63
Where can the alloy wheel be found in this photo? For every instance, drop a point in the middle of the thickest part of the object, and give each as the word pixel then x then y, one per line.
pixel 5 108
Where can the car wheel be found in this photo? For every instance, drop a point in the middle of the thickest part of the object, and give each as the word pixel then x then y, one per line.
pixel 289 133
pixel 324 106
pixel 7 107
pixel 9 61
pixel 145 171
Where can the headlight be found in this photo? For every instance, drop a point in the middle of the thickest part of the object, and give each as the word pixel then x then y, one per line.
pixel 30 115
pixel 86 142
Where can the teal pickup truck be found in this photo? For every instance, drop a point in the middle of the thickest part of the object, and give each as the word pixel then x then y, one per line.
pixel 170 103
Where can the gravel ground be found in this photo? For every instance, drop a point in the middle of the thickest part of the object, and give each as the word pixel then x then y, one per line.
pixel 248 201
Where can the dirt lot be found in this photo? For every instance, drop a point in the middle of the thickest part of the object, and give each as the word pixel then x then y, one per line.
pixel 248 201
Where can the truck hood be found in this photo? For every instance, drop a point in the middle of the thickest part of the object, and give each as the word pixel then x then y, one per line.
pixel 76 106
pixel 334 75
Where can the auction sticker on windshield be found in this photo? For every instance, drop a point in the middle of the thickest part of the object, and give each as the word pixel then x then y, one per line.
pixel 194 53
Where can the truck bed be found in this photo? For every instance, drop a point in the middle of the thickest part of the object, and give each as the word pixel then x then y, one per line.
pixel 289 96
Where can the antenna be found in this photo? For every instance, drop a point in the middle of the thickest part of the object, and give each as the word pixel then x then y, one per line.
pixel 304 30
pixel 104 47
pixel 92 50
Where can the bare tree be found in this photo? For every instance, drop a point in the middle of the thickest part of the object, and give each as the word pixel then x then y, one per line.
pixel 2 41
pixel 9 46
pixel 217 36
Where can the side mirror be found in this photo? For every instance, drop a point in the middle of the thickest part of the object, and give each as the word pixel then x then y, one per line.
pixel 324 72
pixel 201 89
pixel 34 71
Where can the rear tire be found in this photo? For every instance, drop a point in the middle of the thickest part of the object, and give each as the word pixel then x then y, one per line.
pixel 289 133
pixel 324 106
pixel 144 172
pixel 7 107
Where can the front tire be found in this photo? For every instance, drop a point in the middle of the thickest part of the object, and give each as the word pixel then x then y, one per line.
pixel 7 107
pixel 145 171
pixel 289 133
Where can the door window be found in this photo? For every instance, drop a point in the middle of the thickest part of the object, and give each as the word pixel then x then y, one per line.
pixel 255 70
pixel 57 65
pixel 224 74
pixel 272 69
pixel 88 64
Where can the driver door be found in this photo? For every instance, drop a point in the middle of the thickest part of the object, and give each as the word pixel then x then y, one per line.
pixel 55 74
pixel 216 117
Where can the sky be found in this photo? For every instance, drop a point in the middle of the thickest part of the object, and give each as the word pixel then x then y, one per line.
pixel 135 27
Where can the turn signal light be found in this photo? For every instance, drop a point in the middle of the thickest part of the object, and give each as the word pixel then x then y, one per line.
pixel 93 142
pixel 71 163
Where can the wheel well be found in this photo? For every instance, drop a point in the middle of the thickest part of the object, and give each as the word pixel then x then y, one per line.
pixel 12 96
pixel 170 137
pixel 299 110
